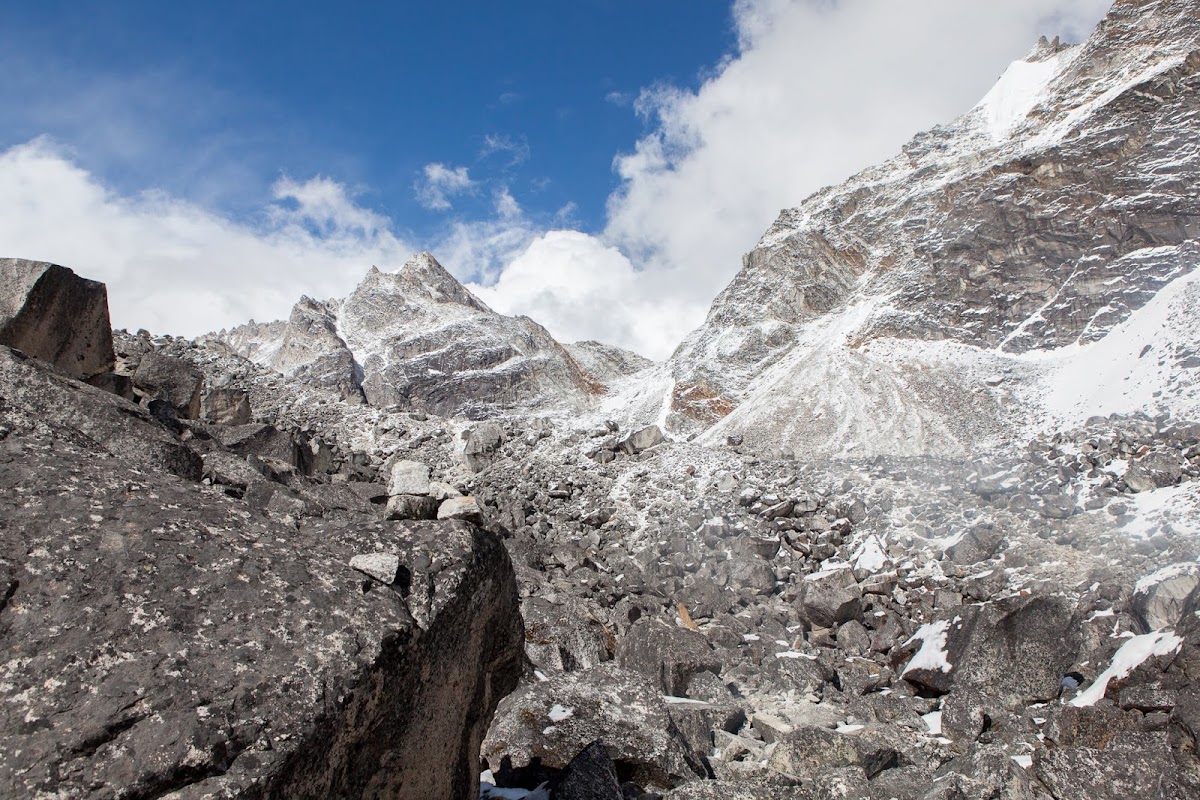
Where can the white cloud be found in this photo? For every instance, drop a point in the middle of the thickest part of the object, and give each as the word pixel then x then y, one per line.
pixel 507 206
pixel 438 183
pixel 174 267
pixel 516 147
pixel 818 91
pixel 580 288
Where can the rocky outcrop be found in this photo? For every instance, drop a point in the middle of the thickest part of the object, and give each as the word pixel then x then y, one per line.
pixel 165 637
pixel 172 380
pixel 113 425
pixel 605 362
pixel 418 339
pixel 869 318
pixel 50 313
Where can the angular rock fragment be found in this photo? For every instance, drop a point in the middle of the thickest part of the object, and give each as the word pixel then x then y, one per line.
pixel 380 566
pixel 171 379
pixel 50 313
pixel 409 477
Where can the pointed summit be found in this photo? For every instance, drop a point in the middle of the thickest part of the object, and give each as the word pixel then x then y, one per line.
pixel 421 282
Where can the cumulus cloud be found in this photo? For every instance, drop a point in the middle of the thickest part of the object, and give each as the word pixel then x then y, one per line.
pixel 174 267
pixel 579 288
pixel 438 183
pixel 817 91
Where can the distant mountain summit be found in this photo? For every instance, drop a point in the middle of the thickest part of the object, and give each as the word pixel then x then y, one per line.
pixel 951 295
pixel 418 339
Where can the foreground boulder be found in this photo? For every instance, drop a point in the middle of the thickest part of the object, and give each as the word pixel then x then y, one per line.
pixel 32 393
pixel 161 639
pixel 553 720
pixel 50 313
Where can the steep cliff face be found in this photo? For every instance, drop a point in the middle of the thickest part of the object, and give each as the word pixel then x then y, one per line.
pixel 926 301
pixel 418 339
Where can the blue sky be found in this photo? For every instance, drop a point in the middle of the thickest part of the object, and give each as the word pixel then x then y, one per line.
pixel 599 165
pixel 216 100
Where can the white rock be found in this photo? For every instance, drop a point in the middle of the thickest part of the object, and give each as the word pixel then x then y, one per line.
pixel 380 566
pixel 409 477
pixel 458 508
pixel 442 491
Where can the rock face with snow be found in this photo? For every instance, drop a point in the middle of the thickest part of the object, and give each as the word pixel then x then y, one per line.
pixel 955 606
pixel 418 339
pixel 873 315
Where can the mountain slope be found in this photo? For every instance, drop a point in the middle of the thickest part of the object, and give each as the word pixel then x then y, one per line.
pixel 909 309
pixel 418 339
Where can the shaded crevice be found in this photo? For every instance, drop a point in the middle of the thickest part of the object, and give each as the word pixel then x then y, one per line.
pixel 10 588
pixel 88 747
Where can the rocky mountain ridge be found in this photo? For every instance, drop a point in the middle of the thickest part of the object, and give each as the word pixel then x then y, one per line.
pixel 417 338
pixel 1025 231
pixel 936 535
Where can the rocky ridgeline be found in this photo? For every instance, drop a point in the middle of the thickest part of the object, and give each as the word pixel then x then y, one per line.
pixel 398 542
pixel 1046 216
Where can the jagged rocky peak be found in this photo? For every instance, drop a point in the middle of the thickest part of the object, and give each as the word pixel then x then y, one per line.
pixel 422 279
pixel 417 338
pixel 1041 219
pixel 607 362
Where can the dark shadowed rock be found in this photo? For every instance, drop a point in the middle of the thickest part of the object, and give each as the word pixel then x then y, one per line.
pixel 262 441
pixel 50 313
pixel 170 642
pixel 590 776
pixel 171 379
pixel 412 506
pixel 669 655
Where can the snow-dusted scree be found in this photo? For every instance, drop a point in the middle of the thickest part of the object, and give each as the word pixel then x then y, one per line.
pixel 915 514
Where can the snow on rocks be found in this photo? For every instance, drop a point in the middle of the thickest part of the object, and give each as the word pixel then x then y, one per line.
pixel 1131 655
pixel 1161 598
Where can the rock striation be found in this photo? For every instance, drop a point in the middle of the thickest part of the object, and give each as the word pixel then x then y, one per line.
pixel 418 339
pixel 872 315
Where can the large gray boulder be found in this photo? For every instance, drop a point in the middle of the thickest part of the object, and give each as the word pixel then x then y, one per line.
pixel 409 477
pixel 993 659
pixel 668 655
pixel 36 394
pixel 171 379
pixel 1160 598
pixel 160 640
pixel 481 445
pixel 552 720
pixel 643 439
pixel 52 314
pixel 226 406
pixel 830 597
